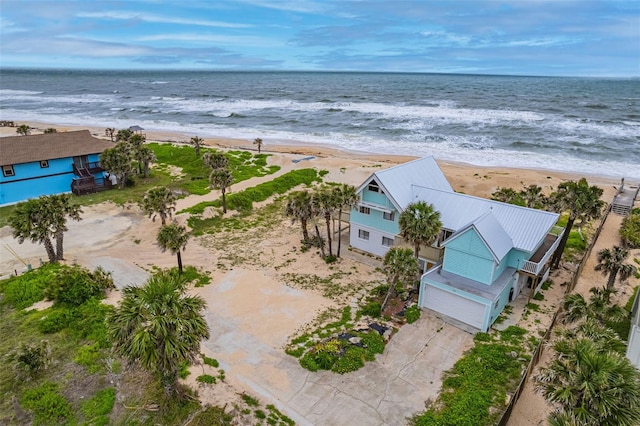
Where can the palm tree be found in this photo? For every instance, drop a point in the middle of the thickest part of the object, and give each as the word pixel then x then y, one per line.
pixel 582 201
pixel 159 201
pixel 611 261
pixel 145 155
pixel 400 267
pixel 117 161
pixel 173 237
pixel 23 130
pixel 533 197
pixel 508 195
pixel 31 220
pixel 221 179
pixel 590 384
pixel 324 203
pixel 599 307
pixel 123 135
pixel 299 207
pixel 111 132
pixel 215 160
pixel 159 326
pixel 60 207
pixel 258 141
pixel 419 225
pixel 347 198
pixel 136 142
pixel 197 143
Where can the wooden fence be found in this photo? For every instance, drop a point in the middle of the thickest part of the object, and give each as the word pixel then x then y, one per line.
pixel 537 353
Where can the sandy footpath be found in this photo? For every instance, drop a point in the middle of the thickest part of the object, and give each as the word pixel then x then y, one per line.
pixel 248 292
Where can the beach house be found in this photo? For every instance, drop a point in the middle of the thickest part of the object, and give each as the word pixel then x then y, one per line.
pixel 51 163
pixel 487 251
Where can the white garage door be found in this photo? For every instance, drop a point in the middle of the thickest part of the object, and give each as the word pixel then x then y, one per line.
pixel 454 306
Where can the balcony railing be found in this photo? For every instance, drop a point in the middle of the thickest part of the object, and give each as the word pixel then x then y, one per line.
pixel 90 185
pixel 544 253
pixel 87 169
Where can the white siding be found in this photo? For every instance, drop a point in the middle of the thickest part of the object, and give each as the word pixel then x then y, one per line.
pixel 373 245
pixel 455 306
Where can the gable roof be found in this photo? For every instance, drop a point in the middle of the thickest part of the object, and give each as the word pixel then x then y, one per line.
pixel 526 227
pixel 397 181
pixel 492 233
pixel 26 149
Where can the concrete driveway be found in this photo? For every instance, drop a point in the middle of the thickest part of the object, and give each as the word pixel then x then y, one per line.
pixel 384 392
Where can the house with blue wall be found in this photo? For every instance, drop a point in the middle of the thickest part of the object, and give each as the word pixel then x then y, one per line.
pixel 487 251
pixel 52 163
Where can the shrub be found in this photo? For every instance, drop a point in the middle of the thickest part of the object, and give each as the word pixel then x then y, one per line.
pixel 212 415
pixel 29 359
pixel 412 314
pixel 260 414
pixel 27 289
pixel 74 285
pixel 210 361
pixel 373 341
pixel 630 230
pixel 97 409
pixel 206 378
pixel 353 359
pixel 48 405
pixel 54 321
pixel 249 400
pixel 183 370
pixel 372 309
pixel 88 356
pixel 308 362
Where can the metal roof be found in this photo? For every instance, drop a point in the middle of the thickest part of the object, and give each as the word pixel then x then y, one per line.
pixel 492 233
pixel 396 181
pixel 526 227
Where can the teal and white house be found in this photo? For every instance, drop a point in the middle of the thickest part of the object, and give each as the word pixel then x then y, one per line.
pixel 48 164
pixel 487 252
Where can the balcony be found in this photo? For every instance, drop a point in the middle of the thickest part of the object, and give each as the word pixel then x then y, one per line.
pixel 535 265
pixel 87 169
pixel 89 185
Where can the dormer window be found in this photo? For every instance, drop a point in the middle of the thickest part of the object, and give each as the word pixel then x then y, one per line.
pixel 373 186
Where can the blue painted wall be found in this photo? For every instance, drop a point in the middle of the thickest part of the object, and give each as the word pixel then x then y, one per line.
pixel 502 300
pixel 469 257
pixel 31 181
pixel 375 220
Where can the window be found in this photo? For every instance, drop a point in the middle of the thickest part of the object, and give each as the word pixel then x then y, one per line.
pixel 363 235
pixel 373 187
pixel 387 242
pixel 388 216
pixel 496 304
pixel 8 171
pixel 44 164
pixel 365 210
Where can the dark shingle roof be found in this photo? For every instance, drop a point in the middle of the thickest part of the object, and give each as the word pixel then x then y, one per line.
pixel 25 149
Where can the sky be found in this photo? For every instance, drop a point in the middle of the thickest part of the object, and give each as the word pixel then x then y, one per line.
pixel 517 37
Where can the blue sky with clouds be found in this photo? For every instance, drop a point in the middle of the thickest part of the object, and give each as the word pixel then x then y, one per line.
pixel 558 37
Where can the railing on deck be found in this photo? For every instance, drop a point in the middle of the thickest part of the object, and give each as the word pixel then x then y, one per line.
pixel 87 169
pixel 90 185
pixel 535 268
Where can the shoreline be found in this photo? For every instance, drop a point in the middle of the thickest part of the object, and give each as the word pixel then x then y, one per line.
pixel 452 169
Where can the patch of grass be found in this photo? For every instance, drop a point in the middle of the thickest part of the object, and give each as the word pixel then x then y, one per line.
pixel 243 200
pixel 372 309
pixel 183 370
pixel 412 314
pixel 538 296
pixel 210 361
pixel 260 414
pixel 24 290
pixel 212 415
pixel 546 285
pixel 47 404
pixel 533 307
pixel 97 409
pixel 206 378
pixel 249 400
pixel 474 391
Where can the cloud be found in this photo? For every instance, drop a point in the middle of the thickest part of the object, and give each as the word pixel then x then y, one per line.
pixel 254 41
pixel 158 19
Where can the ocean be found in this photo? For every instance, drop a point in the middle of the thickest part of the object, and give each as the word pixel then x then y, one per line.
pixel 580 125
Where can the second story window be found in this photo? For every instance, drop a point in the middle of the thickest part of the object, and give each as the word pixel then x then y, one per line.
pixel 373 186
pixel 388 216
pixel 8 171
pixel 44 164
pixel 365 210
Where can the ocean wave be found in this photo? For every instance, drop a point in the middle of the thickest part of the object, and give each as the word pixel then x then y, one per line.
pixel 9 92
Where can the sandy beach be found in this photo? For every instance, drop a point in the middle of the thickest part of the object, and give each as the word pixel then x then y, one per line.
pixel 252 310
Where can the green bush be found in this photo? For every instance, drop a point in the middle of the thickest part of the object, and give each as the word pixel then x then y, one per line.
pixel 74 285
pixel 212 415
pixel 295 352
pixel 206 378
pixel 373 341
pixel 55 320
pixel 48 405
pixel 249 400
pixel 308 362
pixel 25 290
pixel 28 359
pixel 88 356
pixel 412 314
pixel 353 359
pixel 89 322
pixel 97 409
pixel 210 361
pixel 630 230
pixel 183 370
pixel 260 414
pixel 372 309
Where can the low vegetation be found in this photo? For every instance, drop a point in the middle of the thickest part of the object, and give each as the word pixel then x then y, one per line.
pixel 474 391
pixel 630 229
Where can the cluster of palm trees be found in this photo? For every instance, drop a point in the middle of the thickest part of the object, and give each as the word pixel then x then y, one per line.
pixel 590 381
pixel 420 226
pixel 130 148
pixel 324 203
pixel 39 220
pixel 578 198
